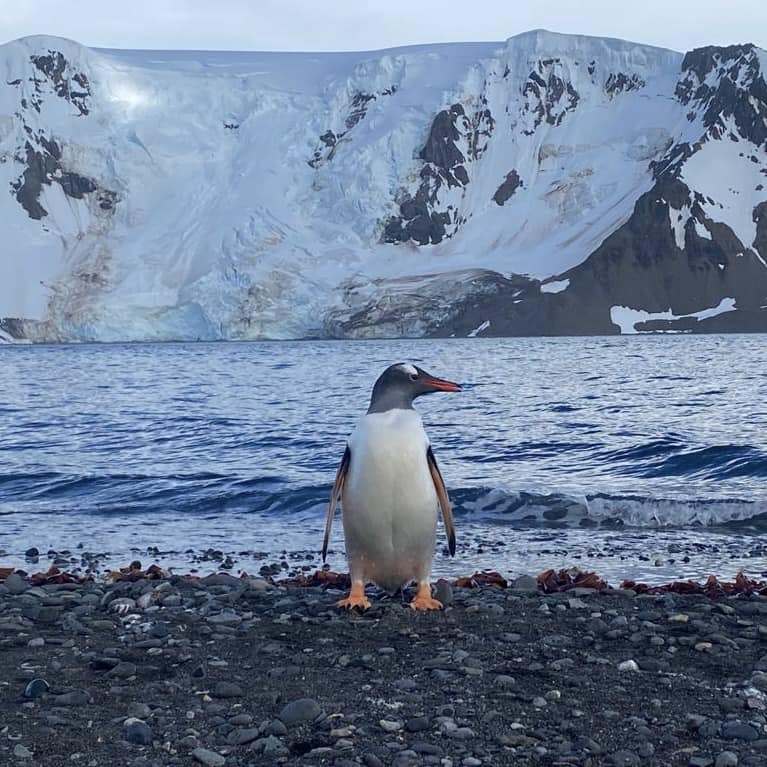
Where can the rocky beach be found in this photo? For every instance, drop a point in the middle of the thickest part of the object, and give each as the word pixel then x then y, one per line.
pixel 146 669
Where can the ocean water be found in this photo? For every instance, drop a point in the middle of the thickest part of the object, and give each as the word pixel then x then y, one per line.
pixel 639 457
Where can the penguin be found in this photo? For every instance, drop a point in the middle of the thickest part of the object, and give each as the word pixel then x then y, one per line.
pixel 390 487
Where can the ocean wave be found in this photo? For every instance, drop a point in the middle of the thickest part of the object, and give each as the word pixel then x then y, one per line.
pixel 670 456
pixel 212 495
pixel 713 462
pixel 603 509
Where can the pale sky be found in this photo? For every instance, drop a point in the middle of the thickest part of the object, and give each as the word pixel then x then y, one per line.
pixel 317 25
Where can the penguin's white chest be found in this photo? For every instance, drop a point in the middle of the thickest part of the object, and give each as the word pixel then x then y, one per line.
pixel 389 500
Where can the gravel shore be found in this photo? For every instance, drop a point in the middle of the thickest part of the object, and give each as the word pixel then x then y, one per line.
pixel 152 671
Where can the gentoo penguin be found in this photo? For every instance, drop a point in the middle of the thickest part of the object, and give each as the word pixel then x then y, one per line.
pixel 390 486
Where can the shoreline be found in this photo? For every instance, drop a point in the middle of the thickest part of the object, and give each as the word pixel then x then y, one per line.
pixel 152 670
pixel 651 556
pixel 546 582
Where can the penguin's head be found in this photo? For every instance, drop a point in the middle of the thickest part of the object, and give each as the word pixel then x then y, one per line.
pixel 400 384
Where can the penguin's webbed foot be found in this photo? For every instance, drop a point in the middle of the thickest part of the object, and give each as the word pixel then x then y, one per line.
pixel 423 599
pixel 362 602
pixel 356 598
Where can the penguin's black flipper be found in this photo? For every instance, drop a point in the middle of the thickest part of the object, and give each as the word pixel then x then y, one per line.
pixel 335 496
pixel 444 501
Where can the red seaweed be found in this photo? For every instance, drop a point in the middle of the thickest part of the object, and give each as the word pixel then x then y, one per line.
pixel 482 579
pixel 55 575
pixel 134 572
pixel 327 579
pixel 551 581
pixel 713 587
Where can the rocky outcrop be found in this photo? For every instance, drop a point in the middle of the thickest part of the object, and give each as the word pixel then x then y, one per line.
pixel 67 83
pixel 621 83
pixel 43 168
pixel 437 305
pixel 722 83
pixel 548 95
pixel 510 184
pixel 759 216
pixel 455 140
pixel 41 156
pixel 12 329
pixel 356 112
pixel 642 266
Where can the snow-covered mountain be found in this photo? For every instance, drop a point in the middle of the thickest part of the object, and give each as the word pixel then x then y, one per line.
pixel 551 184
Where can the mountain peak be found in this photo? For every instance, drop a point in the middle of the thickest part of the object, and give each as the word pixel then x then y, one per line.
pixel 547 41
pixel 42 42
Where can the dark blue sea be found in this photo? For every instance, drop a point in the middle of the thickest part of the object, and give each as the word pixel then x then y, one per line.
pixel 639 457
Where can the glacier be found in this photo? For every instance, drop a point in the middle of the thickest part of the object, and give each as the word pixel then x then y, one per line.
pixel 522 187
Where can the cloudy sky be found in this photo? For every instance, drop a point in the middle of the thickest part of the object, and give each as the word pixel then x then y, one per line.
pixel 368 24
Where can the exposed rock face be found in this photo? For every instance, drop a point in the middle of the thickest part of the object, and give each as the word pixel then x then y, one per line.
pixel 510 184
pixel 549 97
pixel 620 83
pixel 458 139
pixel 444 167
pixel 629 269
pixel 642 265
pixel 357 109
pixel 69 84
pixel 43 166
pixel 422 305
pixel 12 329
pixel 40 169
pixel 639 265
pixel 738 91
pixel 760 219
pixel 42 156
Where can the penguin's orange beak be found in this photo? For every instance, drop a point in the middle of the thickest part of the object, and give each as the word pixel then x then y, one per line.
pixel 440 384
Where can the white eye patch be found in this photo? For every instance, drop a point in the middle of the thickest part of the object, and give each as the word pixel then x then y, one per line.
pixel 409 369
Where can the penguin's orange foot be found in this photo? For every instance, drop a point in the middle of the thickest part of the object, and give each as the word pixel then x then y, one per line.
pixel 426 603
pixel 356 598
pixel 362 602
pixel 423 599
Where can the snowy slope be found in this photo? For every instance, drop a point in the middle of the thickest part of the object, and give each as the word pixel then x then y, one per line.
pixel 184 195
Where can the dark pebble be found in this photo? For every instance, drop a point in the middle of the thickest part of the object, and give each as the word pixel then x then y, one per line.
pixel 525 584
pixel 36 688
pixel 72 698
pixel 241 736
pixel 123 670
pixel 15 584
pixel 443 591
pixel 417 724
pixel 302 710
pixel 138 732
pixel 227 690
pixel 726 759
pixel 735 730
